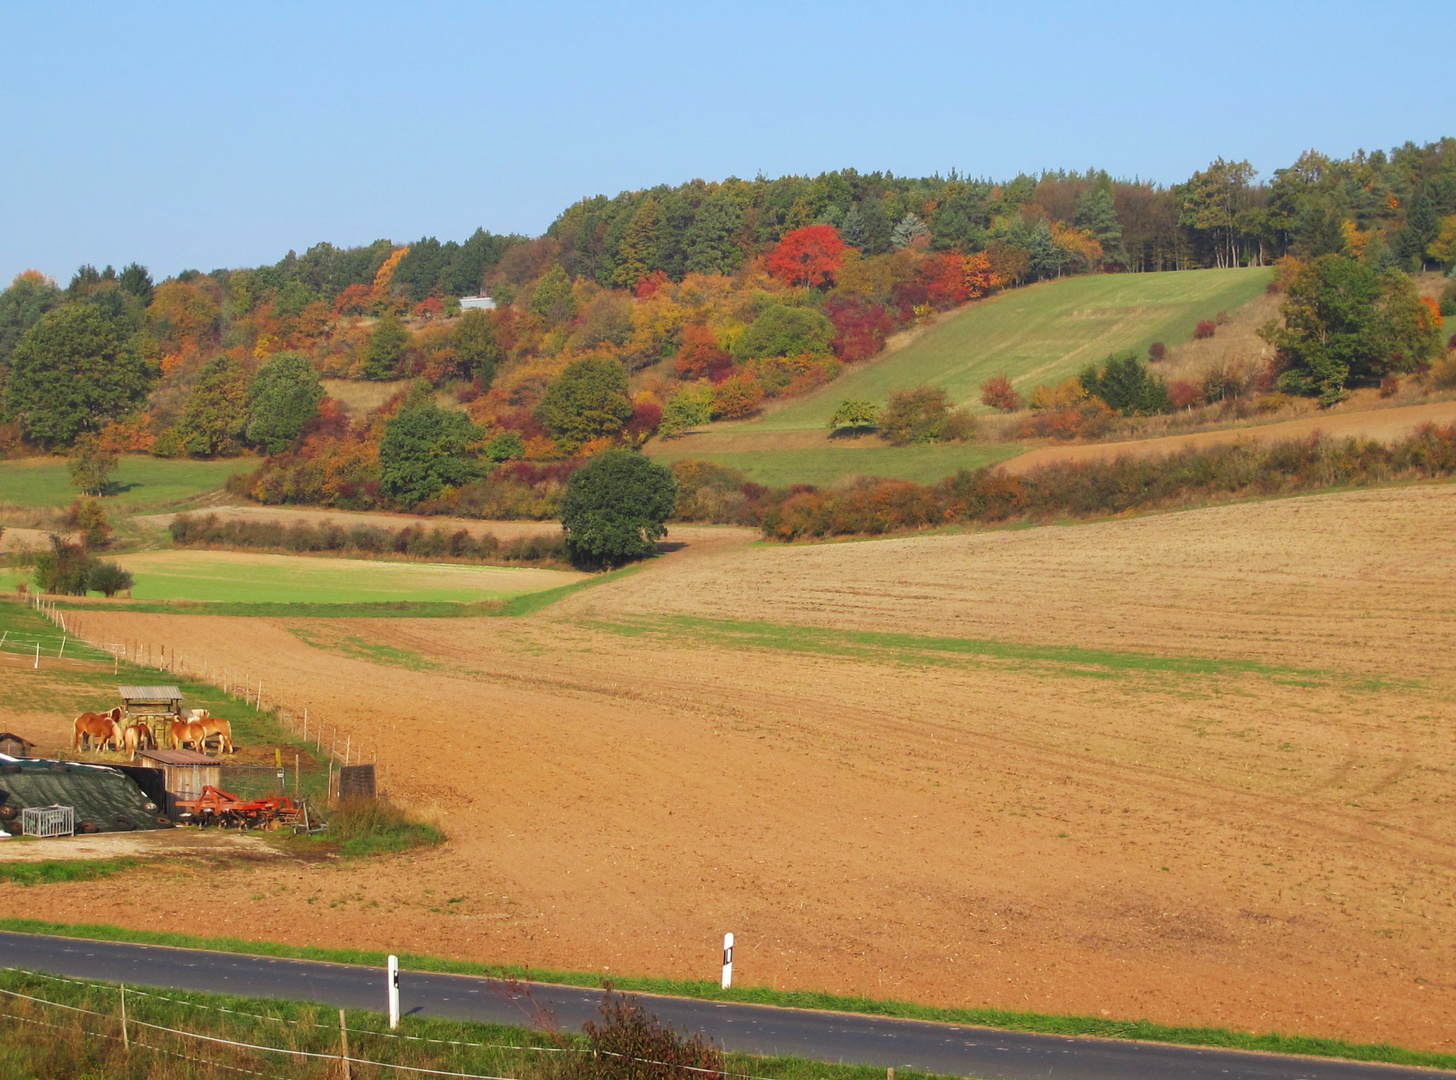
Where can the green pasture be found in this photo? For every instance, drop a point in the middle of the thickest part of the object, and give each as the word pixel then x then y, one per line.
pixel 1039 334
pixel 142 482
pixel 826 465
pixel 230 577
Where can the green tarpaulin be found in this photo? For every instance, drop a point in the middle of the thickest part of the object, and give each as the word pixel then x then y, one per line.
pixel 103 798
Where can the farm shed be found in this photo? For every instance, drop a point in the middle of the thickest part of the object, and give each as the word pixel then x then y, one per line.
pixel 104 799
pixel 12 745
pixel 156 705
pixel 184 772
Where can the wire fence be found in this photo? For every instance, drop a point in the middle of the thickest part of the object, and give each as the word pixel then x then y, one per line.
pixel 342 1055
pixel 242 684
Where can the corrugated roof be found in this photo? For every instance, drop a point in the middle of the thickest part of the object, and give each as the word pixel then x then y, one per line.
pixel 177 757
pixel 150 693
pixel 18 738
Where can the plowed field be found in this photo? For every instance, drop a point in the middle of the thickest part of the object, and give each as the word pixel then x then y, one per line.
pixel 1195 767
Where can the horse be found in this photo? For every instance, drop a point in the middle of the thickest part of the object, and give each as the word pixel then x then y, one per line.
pixel 219 728
pixel 137 737
pixel 102 728
pixel 185 731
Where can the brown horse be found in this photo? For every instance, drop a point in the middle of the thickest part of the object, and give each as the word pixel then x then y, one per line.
pixel 137 737
pixel 100 728
pixel 215 728
pixel 183 732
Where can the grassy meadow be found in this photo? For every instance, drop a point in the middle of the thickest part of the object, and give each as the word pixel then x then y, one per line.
pixel 244 577
pixel 826 465
pixel 1039 334
pixel 143 482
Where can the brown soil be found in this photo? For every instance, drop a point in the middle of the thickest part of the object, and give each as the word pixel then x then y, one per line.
pixel 1383 424
pixel 1163 828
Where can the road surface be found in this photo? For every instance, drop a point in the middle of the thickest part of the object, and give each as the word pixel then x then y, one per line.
pixel 757 1029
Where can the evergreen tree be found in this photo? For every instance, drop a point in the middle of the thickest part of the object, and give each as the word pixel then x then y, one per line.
pixel 711 242
pixel 906 231
pixel 853 230
pixel 136 282
pixel 1126 384
pixel 1096 214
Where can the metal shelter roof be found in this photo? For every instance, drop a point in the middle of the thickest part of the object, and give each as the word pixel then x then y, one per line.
pixel 177 757
pixel 150 693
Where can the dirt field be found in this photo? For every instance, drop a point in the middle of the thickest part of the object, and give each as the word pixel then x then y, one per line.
pixel 1385 425
pixel 1194 767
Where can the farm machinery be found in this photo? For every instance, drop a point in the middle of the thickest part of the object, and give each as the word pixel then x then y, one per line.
pixel 213 806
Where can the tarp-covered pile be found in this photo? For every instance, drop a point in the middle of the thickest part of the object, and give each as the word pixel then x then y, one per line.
pixel 104 799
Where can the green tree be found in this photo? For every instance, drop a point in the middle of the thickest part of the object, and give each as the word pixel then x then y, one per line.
pixel 217 413
pixel 638 254
pixel 91 464
pixel 855 414
pixel 426 449
pixel 29 297
pixel 476 349
pixel 615 508
pixel 65 569
pixel 1344 325
pixel 283 397
pixel 1097 214
pixel 917 415
pixel 109 578
pixel 711 241
pixel 690 406
pixel 785 331
pixel 386 346
pixel 553 299
pixel 587 400
pixel 1126 384
pixel 73 371
pixel 135 281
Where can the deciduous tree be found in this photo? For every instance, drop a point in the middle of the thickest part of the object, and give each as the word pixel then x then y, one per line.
pixel 615 508
pixel 809 257
pixel 283 397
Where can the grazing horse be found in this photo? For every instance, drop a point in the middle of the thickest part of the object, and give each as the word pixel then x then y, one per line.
pixel 218 728
pixel 137 737
pixel 100 728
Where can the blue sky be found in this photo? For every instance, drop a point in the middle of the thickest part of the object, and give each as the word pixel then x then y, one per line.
pixel 202 135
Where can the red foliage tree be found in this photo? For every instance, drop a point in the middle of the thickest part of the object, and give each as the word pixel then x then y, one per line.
pixel 735 398
pixel 998 393
pixel 1206 328
pixel 644 422
pixel 810 256
pixel 860 327
pixel 353 301
pixel 699 356
pixel 944 278
pixel 649 284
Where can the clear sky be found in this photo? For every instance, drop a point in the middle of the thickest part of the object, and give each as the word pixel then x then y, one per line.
pixel 205 135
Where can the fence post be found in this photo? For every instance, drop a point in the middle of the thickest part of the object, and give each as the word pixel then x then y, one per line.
pixel 344 1044
pixel 37 656
pixel 125 1040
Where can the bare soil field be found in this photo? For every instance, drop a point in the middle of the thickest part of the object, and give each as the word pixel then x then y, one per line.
pixel 1386 425
pixel 1195 767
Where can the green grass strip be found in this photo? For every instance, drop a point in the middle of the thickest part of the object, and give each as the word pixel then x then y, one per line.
pixel 1004 1019
pixel 867 644
pixel 52 871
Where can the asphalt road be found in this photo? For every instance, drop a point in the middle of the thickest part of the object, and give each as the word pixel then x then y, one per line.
pixel 756 1029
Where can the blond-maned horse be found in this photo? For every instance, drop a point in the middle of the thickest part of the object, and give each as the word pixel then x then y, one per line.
pixel 100 728
pixel 137 737
pixel 183 732
pixel 217 728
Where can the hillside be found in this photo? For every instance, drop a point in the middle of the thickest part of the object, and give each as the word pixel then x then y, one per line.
pixel 1040 334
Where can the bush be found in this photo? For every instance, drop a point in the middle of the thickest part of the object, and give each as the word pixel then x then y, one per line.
pixel 688 407
pixel 1390 385
pixel 1157 351
pixel 377 827
pixel 1206 328
pixel 1184 394
pixel 737 397
pixel 109 578
pixel 919 415
pixel 632 1044
pixel 615 509
pixel 65 569
pixel 998 393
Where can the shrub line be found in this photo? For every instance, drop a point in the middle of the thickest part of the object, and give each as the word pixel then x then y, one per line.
pixel 1003 1019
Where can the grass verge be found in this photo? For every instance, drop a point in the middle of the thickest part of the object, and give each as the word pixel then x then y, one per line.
pixel 1004 1019
pixel 360 828
pixel 53 1040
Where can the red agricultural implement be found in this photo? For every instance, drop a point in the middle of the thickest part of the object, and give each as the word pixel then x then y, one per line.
pixel 217 807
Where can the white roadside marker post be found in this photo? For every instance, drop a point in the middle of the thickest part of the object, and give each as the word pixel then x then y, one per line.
pixel 727 961
pixel 393 992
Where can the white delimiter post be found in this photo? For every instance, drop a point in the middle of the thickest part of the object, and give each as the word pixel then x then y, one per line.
pixel 727 961
pixel 393 992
